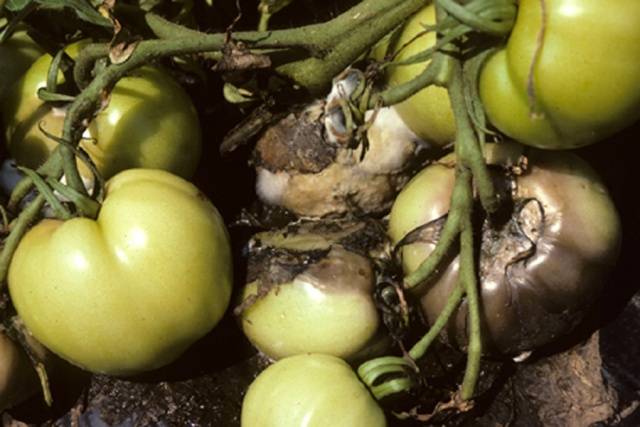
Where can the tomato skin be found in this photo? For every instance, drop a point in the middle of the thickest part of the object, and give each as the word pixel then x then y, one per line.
pixel 150 122
pixel 586 81
pixel 327 309
pixel 311 390
pixel 428 113
pixel 528 298
pixel 16 55
pixel 131 290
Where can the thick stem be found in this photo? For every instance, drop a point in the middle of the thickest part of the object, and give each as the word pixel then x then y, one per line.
pixel 263 25
pixel 85 62
pixel 468 148
pixel 469 280
pixel 343 39
pixel 367 25
pixel 309 37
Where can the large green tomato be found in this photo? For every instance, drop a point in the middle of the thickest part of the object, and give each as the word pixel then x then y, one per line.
pixel 586 78
pixel 16 55
pixel 428 113
pixel 131 290
pixel 311 390
pixel 149 122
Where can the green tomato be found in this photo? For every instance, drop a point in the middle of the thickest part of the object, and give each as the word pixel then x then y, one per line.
pixel 586 77
pixel 428 113
pixel 131 290
pixel 328 308
pixel 311 390
pixel 16 55
pixel 149 122
pixel 541 266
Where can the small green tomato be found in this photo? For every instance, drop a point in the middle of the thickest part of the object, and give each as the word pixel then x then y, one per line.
pixel 310 294
pixel 311 390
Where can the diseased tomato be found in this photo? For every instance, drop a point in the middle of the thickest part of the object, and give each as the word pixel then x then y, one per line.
pixel 131 290
pixel 312 292
pixel 585 79
pixel 543 258
pixel 428 113
pixel 149 122
pixel 16 55
pixel 310 390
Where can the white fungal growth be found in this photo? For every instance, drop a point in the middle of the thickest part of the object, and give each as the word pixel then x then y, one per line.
pixel 271 187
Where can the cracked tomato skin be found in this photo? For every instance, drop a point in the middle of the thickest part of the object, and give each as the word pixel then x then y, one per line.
pixel 312 390
pixel 586 78
pixel 149 122
pixel 129 291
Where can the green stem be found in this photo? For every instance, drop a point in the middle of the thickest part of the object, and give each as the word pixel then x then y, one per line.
pixel 446 239
pixel 504 16
pixel 263 24
pixel 277 39
pixel 468 149
pixel 469 279
pixel 51 167
pixel 70 167
pixel 393 386
pixel 20 226
pixel 342 39
pixel 420 348
pixel 371 21
pixel 85 61
pixel 399 93
pixel 43 188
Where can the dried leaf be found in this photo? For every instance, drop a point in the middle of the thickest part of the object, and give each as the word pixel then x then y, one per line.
pixel 122 51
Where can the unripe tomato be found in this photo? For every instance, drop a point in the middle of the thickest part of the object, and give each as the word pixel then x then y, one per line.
pixel 428 113
pixel 311 294
pixel 149 122
pixel 313 390
pixel 541 266
pixel 131 290
pixel 16 55
pixel 586 83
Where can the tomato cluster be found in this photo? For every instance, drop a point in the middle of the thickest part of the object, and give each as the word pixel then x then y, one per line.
pixel 131 289
pixel 149 122
pixel 567 77
pixel 158 250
